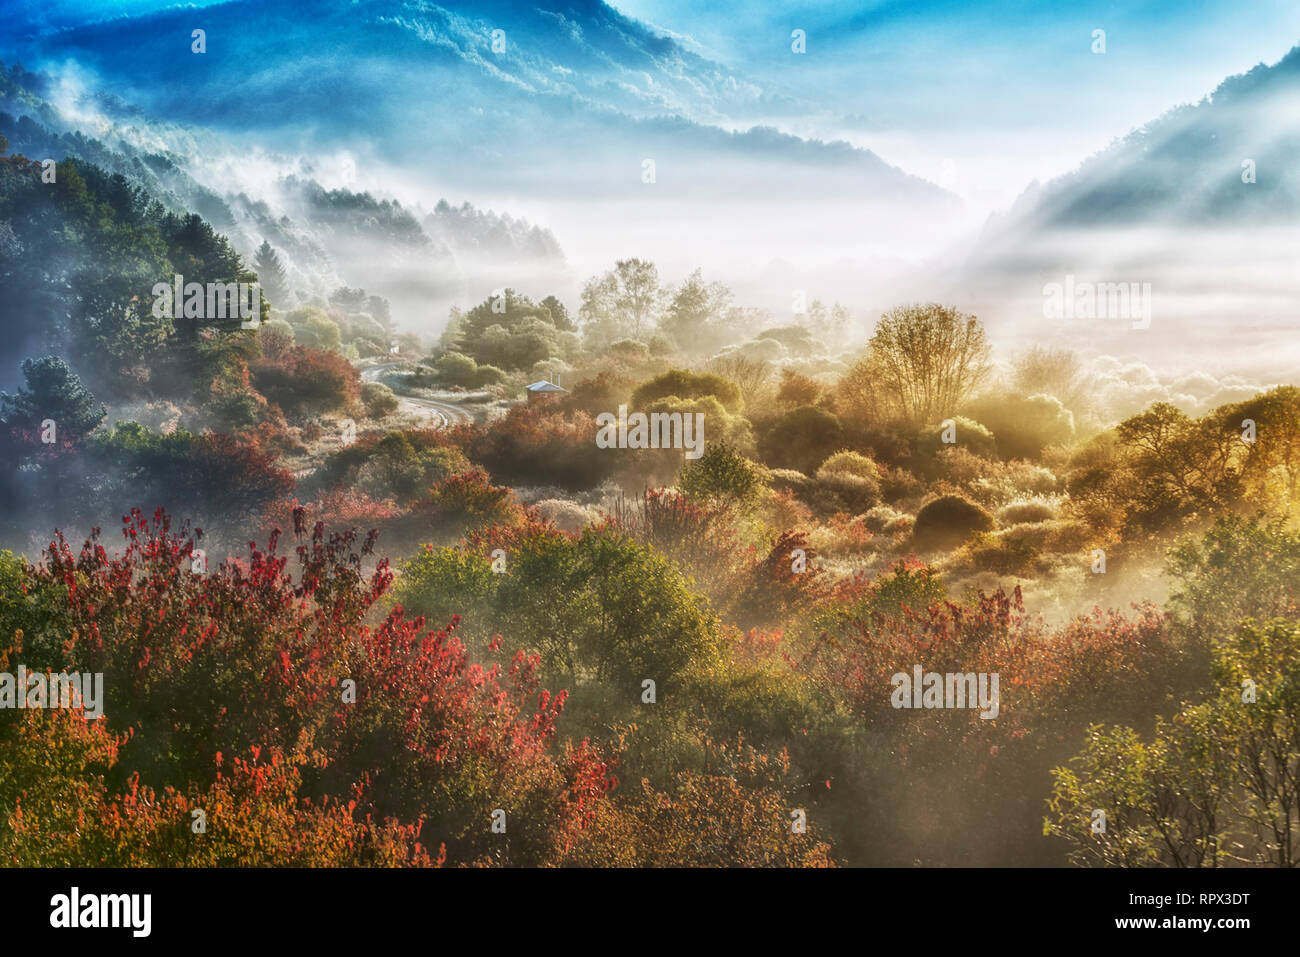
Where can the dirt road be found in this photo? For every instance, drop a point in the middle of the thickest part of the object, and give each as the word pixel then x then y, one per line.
pixel 445 414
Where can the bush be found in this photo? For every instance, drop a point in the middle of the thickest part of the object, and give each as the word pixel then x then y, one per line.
pixel 882 518
pixel 801 439
pixel 1023 426
pixel 529 342
pixel 398 465
pixel 468 501
pixel 949 521
pixel 1002 554
pixel 456 369
pixel 788 480
pixel 541 444
pixel 603 393
pixel 1031 511
pixel 378 399
pixel 629 350
pixel 368 348
pixel 1215 786
pixel 308 381
pixel 689 385
pixel 850 463
pixel 365 326
pixel 797 389
pixel 732 813
pixel 212 478
pixel 760 350
pixel 488 376
pixel 720 425
pixel 843 491
pixel 798 339
pixel 567 516
pixel 970 435
pixel 228 697
pixel 722 475
pixel 320 332
pixel 274 338
pixel 600 607
pixel 853 477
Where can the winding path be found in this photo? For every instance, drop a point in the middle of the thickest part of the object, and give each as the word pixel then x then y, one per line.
pixel 446 413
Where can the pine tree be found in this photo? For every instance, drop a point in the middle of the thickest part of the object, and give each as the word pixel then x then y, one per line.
pixel 53 392
pixel 270 274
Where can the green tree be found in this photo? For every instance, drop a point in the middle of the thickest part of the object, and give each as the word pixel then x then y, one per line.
pixel 600 608
pixel 624 302
pixel 559 314
pixel 271 275
pixel 1218 784
pixel 320 332
pixel 1176 468
pixel 695 313
pixel 54 392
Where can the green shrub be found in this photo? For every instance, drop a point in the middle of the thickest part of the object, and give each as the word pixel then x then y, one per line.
pixel 689 385
pixel 949 521
pixel 850 463
pixel 456 369
pixel 320 332
pixel 722 474
pixel 378 399
pixel 801 439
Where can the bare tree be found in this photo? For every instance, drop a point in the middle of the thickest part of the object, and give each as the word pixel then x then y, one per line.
pixel 928 358
pixel 751 374
pixel 1056 372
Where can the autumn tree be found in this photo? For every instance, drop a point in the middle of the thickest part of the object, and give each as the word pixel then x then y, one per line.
pixel 928 358
pixel 797 389
pixel 1268 429
pixel 751 374
pixel 1165 469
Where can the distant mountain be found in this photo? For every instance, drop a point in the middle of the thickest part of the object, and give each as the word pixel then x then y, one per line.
pixel 326 238
pixel 1200 203
pixel 573 98
pixel 1228 162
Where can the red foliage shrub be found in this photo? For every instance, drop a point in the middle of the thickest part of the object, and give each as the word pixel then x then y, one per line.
pixel 306 381
pixel 247 660
pixel 469 500
pixel 540 445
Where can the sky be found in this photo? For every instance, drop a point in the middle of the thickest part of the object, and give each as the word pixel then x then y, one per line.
pixel 980 96
pixel 983 96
